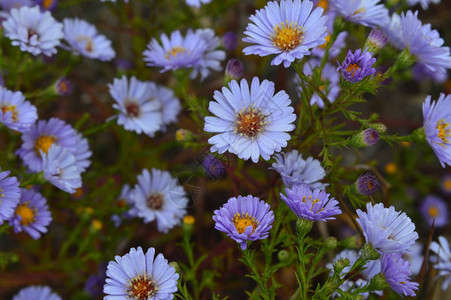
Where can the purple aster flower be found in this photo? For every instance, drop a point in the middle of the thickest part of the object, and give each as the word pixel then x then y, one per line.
pixel 230 41
pixel 376 41
pixel 234 69
pixel 250 122
pixel 211 58
pixel 245 218
pixel 294 170
pixel 367 184
pixel 63 86
pixel 134 100
pixel 420 72
pixel 365 12
pixel 84 40
pixel 445 184
pixel 289 29
pixel 46 133
pixel 176 52
pixel 437 128
pixel 140 276
pixel 197 3
pixel 357 65
pixel 46 4
pixel 424 43
pixel 442 260
pixel 61 168
pixel 9 195
pixel 311 205
pixel 397 274
pixel 31 215
pixel 170 105
pixel 213 166
pixel 159 196
pixel 370 136
pixel 34 31
pixel 36 292
pixel 15 112
pixel 424 3
pixel 386 229
pixel 434 209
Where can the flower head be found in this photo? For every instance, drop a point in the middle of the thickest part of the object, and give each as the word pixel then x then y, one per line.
pixel 34 31
pixel 367 184
pixel 32 214
pixel 397 273
pixel 386 229
pixel 36 292
pixel 250 122
pixel 9 195
pixel 295 170
pixel 289 29
pixel 234 69
pixel 159 196
pixel 442 260
pixel 140 276
pixel 311 205
pixel 244 218
pixel 63 86
pixel 365 12
pixel 437 127
pixel 15 112
pixel 357 65
pixel 434 210
pixel 213 166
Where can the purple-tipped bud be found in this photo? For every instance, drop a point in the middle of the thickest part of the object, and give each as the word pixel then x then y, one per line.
pixel 213 166
pixel 375 42
pixel 367 184
pixel 357 66
pixel 370 136
pixel 229 41
pixel 234 69
pixel 63 87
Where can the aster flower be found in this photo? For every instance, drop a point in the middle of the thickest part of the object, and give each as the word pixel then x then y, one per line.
pixel 159 196
pixel 61 168
pixel 244 218
pixel 234 69
pixel 31 215
pixel 434 209
pixel 251 123
pixel 134 100
pixel 310 205
pixel 15 112
pixel 357 65
pixel 367 184
pixel 176 52
pixel 424 3
pixel 437 128
pixel 397 274
pixel 47 4
pixel 140 276
pixel 295 170
pixel 365 12
pixel 84 40
pixel 213 166
pixel 442 260
pixel 197 3
pixel 36 292
pixel 34 31
pixel 63 86
pixel 289 29
pixel 9 195
pixel 445 184
pixel 44 134
pixel 386 229
pixel 366 138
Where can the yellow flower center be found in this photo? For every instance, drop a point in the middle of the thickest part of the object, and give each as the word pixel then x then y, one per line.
pixel 241 222
pixel 12 109
pixel 304 199
pixel 44 142
pixel 324 4
pixel 175 51
pixel 391 168
pixel 249 122
pixel 433 211
pixel 326 42
pixel 141 287
pixel 446 185
pixel 287 36
pixel 443 131
pixel 352 68
pixel 1 194
pixel 26 213
pixel 47 3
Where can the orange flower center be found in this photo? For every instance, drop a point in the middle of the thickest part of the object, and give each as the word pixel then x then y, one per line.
pixel 287 36
pixel 241 222
pixel 352 68
pixel 324 4
pixel 12 109
pixel 47 3
pixel 141 287
pixel 443 131
pixel 249 122
pixel 175 51
pixel 44 143
pixel 26 213
pixel 433 211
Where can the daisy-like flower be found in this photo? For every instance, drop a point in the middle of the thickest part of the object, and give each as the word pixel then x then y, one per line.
pixel 251 123
pixel 9 195
pixel 310 205
pixel 437 127
pixel 84 39
pixel 244 218
pixel 159 196
pixel 176 52
pixel 357 65
pixel 211 58
pixel 294 170
pixel 445 184
pixel 36 292
pixel 442 260
pixel 289 28
pixel 386 229
pixel 197 3
pixel 34 31
pixel 434 209
pixel 365 12
pixel 140 276
pixel 135 101
pixel 15 112
pixel 169 106
pixel 424 3
pixel 61 168
pixel 32 214
pixel 397 273
pixel 424 43
pixel 44 134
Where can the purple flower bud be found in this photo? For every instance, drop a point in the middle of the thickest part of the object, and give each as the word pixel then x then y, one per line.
pixel 376 41
pixel 229 41
pixel 357 65
pixel 234 69
pixel 64 87
pixel 213 166
pixel 367 184
pixel 370 136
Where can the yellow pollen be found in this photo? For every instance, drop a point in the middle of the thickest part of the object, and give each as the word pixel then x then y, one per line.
pixel 44 142
pixel 249 122
pixel 433 211
pixel 12 109
pixel 241 222
pixel 141 287
pixel 287 36
pixel 26 213
pixel 352 68
pixel 326 42
pixel 443 131
pixel 324 4
pixel 175 51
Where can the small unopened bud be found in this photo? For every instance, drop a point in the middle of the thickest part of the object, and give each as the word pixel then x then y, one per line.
pixel 340 264
pixel 213 166
pixel 330 243
pixel 381 128
pixel 303 227
pixel 184 135
pixel 351 242
pixel 418 135
pixel 377 283
pixel 365 138
pixel 175 265
pixel 63 86
pixel 283 255
pixel 369 253
pixel 376 41
pixel 234 69
pixel 367 184
pixel 188 222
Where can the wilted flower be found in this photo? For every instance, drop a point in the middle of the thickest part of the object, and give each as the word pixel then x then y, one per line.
pixel 434 210
pixel 15 112
pixel 36 292
pixel 442 260
pixel 357 65
pixel 9 195
pixel 365 12
pixel 397 274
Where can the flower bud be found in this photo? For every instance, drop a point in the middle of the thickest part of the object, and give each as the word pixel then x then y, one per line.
pixel 283 255
pixel 330 243
pixel 213 166
pixel 377 283
pixel 340 264
pixel 188 222
pixel 234 69
pixel 379 127
pixel 365 138
pixel 368 253
pixel 367 184
pixel 303 227
pixel 184 135
pixel 376 41
pixel 175 265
